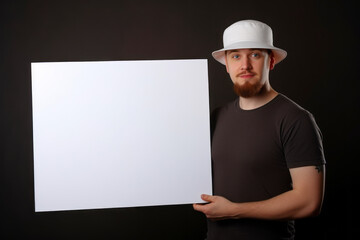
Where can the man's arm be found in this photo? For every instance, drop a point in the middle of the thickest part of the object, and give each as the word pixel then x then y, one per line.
pixel 304 200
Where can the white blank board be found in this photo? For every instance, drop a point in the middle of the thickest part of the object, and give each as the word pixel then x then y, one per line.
pixel 120 134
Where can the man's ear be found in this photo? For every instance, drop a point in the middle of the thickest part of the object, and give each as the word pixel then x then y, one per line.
pixel 272 61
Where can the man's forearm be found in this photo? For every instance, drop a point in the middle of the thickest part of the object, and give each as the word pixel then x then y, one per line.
pixel 289 205
pixel 305 199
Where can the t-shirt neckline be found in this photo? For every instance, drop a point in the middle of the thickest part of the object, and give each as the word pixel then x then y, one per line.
pixel 238 108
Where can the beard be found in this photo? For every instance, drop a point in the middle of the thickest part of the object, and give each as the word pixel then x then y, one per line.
pixel 247 89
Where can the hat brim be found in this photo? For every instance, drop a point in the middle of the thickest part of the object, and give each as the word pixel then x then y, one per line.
pixel 279 54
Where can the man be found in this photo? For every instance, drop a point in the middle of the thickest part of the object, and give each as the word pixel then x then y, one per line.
pixel 268 161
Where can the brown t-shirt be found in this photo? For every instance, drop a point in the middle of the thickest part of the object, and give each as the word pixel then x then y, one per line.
pixel 252 151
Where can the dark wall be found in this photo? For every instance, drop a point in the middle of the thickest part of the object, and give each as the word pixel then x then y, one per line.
pixel 321 73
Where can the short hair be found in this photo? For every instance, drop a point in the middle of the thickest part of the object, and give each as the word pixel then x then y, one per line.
pixel 270 52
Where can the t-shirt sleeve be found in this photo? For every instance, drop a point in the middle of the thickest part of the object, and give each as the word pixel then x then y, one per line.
pixel 302 142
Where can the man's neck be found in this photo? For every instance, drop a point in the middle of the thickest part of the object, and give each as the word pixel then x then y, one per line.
pixel 258 100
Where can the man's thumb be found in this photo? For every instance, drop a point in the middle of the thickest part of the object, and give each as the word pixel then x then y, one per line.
pixel 206 198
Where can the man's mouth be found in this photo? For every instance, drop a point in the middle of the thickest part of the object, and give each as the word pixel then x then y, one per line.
pixel 246 75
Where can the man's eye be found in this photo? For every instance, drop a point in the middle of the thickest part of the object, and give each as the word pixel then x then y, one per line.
pixel 236 56
pixel 255 55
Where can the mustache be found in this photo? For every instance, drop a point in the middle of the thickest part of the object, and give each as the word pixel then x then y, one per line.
pixel 244 73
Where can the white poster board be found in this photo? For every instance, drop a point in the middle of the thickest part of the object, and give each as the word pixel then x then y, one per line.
pixel 120 134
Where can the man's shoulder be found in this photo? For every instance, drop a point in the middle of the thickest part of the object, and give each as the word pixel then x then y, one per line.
pixel 291 111
pixel 228 106
pixel 289 106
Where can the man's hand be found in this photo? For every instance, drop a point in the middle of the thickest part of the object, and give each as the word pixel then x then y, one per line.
pixel 217 208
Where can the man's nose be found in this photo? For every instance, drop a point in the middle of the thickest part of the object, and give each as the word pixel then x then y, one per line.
pixel 245 64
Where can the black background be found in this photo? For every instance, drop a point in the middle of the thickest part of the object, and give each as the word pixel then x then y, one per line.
pixel 321 73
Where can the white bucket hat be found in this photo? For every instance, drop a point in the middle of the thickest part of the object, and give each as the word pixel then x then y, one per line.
pixel 248 34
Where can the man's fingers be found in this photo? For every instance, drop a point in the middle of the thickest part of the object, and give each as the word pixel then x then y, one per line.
pixel 198 207
pixel 201 207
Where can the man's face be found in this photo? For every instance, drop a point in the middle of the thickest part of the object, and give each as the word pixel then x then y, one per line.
pixel 249 70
